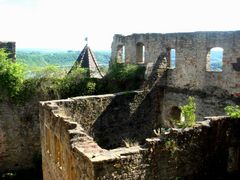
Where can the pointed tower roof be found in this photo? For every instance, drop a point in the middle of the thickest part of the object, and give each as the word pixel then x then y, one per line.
pixel 86 59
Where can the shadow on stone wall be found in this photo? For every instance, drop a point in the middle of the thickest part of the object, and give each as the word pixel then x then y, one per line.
pixel 128 117
pixel 133 116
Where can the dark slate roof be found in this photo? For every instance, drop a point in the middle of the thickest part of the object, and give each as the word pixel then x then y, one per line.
pixel 86 59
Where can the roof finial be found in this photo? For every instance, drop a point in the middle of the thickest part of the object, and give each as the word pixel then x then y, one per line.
pixel 86 39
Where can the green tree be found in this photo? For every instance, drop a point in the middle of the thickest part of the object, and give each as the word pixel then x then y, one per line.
pixel 11 75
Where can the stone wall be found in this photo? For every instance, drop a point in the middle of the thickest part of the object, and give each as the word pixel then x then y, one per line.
pixel 10 47
pixel 191 57
pixel 106 121
pixel 19 130
pixel 70 153
pixel 112 118
pixel 210 103
pixel 60 159
pixel 212 90
pixel 208 150
pixel 19 136
pixel 77 133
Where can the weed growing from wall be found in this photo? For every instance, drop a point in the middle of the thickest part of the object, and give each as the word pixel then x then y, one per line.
pixel 233 111
pixel 171 145
pixel 188 114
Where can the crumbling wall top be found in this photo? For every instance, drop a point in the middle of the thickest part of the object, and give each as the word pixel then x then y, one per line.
pixel 190 63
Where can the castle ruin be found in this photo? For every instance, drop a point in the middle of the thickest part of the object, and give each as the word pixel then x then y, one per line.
pixel 82 137
pixel 111 136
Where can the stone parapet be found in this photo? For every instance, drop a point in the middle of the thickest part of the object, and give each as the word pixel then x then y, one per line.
pixel 69 151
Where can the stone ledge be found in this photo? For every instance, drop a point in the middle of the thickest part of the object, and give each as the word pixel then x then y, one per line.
pixel 115 154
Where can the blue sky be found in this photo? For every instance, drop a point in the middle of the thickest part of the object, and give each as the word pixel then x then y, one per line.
pixel 65 23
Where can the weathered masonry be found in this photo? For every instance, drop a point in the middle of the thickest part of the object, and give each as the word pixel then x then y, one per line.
pixel 19 129
pixel 191 51
pixel 73 129
pixel 19 135
pixel 84 137
pixel 181 63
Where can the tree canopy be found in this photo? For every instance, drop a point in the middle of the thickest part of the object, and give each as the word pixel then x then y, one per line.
pixel 11 75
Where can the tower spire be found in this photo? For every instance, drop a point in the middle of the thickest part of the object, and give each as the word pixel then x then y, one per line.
pixel 86 59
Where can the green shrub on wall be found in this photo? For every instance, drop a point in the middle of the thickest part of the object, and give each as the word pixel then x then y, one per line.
pixel 11 75
pixel 76 83
pixel 69 88
pixel 188 114
pixel 40 82
pixel 123 72
pixel 233 111
pixel 123 77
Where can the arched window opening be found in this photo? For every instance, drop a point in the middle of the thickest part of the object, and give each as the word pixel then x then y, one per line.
pixel 121 54
pixel 214 59
pixel 175 113
pixel 140 53
pixel 172 58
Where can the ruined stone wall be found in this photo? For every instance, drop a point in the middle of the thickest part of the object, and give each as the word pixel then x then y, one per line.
pixel 208 150
pixel 19 136
pixel 61 160
pixel 209 103
pixel 212 90
pixel 191 57
pixel 10 47
pixel 19 130
pixel 69 153
pixel 114 117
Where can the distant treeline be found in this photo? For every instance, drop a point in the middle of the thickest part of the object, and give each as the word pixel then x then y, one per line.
pixel 65 59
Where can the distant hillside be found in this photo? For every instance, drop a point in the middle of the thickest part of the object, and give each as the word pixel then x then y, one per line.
pixel 65 59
